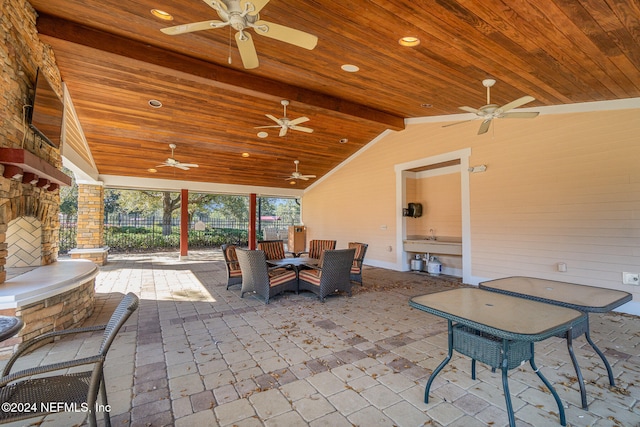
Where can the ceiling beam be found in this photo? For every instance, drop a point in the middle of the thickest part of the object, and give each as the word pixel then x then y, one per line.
pixel 209 73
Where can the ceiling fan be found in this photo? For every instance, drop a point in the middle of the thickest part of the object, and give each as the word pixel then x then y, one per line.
pixel 242 15
pixel 492 111
pixel 298 175
pixel 285 123
pixel 171 162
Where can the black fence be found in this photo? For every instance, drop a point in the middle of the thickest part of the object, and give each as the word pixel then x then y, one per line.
pixel 124 234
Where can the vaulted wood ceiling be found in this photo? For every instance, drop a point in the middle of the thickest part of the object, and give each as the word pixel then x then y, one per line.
pixel 114 59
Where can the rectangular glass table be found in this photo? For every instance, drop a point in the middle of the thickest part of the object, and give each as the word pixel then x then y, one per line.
pixel 588 299
pixel 497 329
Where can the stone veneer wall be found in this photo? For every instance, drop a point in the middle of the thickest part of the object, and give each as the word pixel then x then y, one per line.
pixel 21 55
pixel 90 225
pixel 63 311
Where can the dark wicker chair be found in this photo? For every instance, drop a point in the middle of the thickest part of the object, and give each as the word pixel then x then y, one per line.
pixel 264 281
pixel 331 275
pixel 234 274
pixel 317 246
pixel 356 269
pixel 77 388
pixel 273 249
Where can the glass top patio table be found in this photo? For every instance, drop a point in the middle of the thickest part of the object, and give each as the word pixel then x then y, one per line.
pixel 501 315
pixel 580 297
pixel 9 326
pixel 497 329
pixel 588 299
pixel 295 263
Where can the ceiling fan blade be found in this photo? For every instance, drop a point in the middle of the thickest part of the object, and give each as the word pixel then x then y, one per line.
pixel 188 165
pixel 286 34
pixel 468 109
pixel 266 127
pixel 484 127
pixel 520 115
pixel 283 131
pixel 301 128
pixel 181 166
pixel 162 165
pixel 194 26
pixel 515 104
pixel 257 4
pixel 275 119
pixel 307 176
pixel 298 120
pixel 457 123
pixel 247 50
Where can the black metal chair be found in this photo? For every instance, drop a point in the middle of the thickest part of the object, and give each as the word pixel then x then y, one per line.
pixel 78 389
pixel 259 278
pixel 234 274
pixel 358 259
pixel 331 275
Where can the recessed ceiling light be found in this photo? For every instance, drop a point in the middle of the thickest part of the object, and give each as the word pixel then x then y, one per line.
pixel 344 141
pixel 155 103
pixel 152 170
pixel 350 68
pixel 245 154
pixel 292 182
pixel 161 14
pixel 262 134
pixel 409 41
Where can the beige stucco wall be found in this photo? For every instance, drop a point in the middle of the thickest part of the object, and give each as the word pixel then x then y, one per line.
pixel 558 188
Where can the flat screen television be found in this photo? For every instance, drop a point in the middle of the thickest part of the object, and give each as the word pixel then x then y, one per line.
pixel 46 112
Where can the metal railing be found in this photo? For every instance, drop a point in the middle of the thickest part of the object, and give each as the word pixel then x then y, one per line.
pixel 124 233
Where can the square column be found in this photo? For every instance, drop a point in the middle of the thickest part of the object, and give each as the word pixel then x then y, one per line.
pixel 90 226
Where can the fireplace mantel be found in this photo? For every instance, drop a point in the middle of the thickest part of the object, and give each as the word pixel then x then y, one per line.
pixel 19 161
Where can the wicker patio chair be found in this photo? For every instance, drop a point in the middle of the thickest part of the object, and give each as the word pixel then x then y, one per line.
pixel 79 389
pixel 317 246
pixel 356 269
pixel 264 281
pixel 234 274
pixel 273 249
pixel 331 275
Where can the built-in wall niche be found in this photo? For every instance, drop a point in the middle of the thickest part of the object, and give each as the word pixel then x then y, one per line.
pixel 438 187
pixel 454 163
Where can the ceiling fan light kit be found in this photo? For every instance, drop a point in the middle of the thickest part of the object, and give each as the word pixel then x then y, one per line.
pixel 491 111
pixel 234 15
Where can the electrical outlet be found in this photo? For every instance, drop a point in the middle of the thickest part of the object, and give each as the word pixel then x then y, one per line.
pixel 630 278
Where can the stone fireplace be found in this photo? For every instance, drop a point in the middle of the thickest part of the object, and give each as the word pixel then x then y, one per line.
pixel 48 294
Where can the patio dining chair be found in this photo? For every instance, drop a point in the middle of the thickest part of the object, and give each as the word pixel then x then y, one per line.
pixel 273 249
pixel 234 274
pixel 76 388
pixel 317 246
pixel 259 278
pixel 331 275
pixel 356 269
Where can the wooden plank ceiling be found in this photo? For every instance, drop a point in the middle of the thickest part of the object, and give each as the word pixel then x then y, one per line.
pixel 114 59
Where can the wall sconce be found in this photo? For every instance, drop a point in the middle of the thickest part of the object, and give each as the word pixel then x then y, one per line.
pixel 476 169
